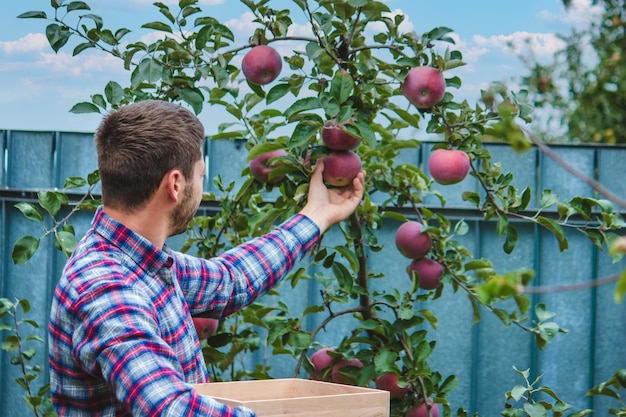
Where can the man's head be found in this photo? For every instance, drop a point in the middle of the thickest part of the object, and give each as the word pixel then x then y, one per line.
pixel 138 144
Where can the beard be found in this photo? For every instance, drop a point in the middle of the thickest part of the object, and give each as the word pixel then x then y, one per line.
pixel 183 213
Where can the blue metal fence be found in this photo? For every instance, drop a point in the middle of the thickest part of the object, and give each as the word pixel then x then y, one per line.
pixel 482 355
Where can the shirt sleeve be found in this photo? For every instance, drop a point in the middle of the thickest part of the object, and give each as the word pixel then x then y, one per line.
pixel 117 336
pixel 233 280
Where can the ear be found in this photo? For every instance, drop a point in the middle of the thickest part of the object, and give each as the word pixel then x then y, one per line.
pixel 173 184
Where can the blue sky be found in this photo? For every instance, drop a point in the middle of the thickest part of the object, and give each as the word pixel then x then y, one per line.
pixel 39 87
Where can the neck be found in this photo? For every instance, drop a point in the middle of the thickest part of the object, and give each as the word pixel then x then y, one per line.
pixel 150 223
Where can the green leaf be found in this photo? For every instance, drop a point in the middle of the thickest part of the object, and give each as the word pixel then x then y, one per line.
pixel 502 225
pixel 366 133
pixel 149 70
pixel 84 107
pixel 262 148
pixel 542 314
pixel 77 5
pixel 158 26
pixel 82 46
pixel 478 264
pixel 24 249
pixel 30 211
pixel 277 92
pixel 57 36
pixel 518 392
pixel 512 238
pixel 535 410
pixel 302 105
pixel 66 241
pixel 556 229
pixel 114 93
pixel 385 360
pixel 342 86
pixel 548 199
pixel 300 340
pixel 343 276
pixel 193 97
pixel 449 385
pixel 33 15
pixel 25 304
pixel 51 201
pixel 74 182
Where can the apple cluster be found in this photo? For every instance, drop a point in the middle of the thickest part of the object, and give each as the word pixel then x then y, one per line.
pixel 330 366
pixel 414 244
pixel 341 165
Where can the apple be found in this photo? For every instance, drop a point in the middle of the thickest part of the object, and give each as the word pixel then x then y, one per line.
pixel 422 410
pixel 321 360
pixel 205 327
pixel 341 167
pixel 337 139
pixel 389 382
pixel 448 166
pixel 429 270
pixel 410 240
pixel 261 65
pixel 424 86
pixel 337 374
pixel 260 167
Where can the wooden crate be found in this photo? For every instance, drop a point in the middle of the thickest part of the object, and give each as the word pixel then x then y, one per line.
pixel 299 398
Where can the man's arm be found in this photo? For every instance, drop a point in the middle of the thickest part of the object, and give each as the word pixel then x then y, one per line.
pixel 234 279
pixel 118 337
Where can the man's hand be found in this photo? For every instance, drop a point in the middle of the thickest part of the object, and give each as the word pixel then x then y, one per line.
pixel 327 206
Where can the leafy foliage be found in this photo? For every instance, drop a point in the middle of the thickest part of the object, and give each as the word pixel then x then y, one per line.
pixel 583 87
pixel 341 71
pixel 22 346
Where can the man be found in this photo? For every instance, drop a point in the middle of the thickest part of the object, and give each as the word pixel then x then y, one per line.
pixel 122 341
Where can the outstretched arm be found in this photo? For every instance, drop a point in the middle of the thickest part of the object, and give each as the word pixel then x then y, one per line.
pixel 327 206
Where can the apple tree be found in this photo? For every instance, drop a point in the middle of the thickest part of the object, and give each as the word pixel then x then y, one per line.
pixel 356 90
pixel 582 87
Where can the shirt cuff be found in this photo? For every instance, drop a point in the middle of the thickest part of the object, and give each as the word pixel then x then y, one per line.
pixel 304 229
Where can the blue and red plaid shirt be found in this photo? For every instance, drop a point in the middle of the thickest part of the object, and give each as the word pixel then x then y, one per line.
pixel 122 341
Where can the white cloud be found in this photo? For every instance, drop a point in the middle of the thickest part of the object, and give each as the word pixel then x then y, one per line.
pixel 243 23
pixel 80 65
pixel 542 45
pixel 580 13
pixel 28 43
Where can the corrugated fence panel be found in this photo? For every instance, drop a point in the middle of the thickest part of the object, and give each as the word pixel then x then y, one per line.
pixel 76 156
pixel 482 355
pixel 31 160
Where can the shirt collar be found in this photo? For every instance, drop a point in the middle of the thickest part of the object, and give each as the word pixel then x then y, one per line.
pixel 147 256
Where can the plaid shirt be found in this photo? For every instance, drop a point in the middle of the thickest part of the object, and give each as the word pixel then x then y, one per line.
pixel 121 337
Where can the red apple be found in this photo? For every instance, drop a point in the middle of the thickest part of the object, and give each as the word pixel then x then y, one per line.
pixel 448 166
pixel 429 270
pixel 321 360
pixel 389 382
pixel 410 240
pixel 422 410
pixel 261 65
pixel 341 167
pixel 260 167
pixel 337 139
pixel 424 86
pixel 339 375
pixel 205 327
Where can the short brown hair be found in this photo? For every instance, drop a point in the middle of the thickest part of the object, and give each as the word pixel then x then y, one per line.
pixel 139 143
